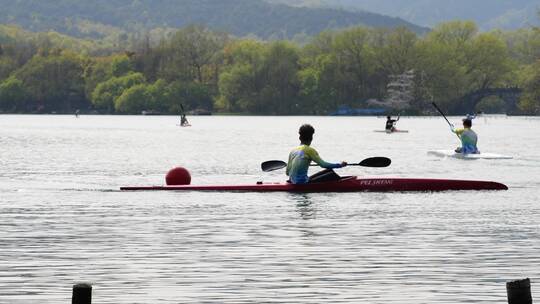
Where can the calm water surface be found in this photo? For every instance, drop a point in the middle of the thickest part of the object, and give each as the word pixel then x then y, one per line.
pixel 63 220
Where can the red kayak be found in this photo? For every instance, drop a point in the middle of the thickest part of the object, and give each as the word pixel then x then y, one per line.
pixel 345 184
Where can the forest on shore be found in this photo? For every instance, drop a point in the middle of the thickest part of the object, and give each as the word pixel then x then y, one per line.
pixel 199 68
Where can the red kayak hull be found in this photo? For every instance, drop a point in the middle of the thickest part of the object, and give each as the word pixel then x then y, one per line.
pixel 346 184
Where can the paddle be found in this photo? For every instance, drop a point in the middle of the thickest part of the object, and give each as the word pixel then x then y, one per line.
pixel 441 112
pixel 374 162
pixel 183 119
pixel 438 109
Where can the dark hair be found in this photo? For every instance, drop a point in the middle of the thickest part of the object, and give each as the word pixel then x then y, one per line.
pixel 388 117
pixel 306 132
pixel 467 122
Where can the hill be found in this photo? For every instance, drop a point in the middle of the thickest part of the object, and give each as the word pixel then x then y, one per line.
pixel 488 14
pixel 97 18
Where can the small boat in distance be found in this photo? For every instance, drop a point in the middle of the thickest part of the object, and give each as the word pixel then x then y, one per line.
pixel 150 113
pixel 391 131
pixel 348 111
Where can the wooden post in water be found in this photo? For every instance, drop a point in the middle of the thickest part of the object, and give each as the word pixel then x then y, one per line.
pixel 519 292
pixel 82 294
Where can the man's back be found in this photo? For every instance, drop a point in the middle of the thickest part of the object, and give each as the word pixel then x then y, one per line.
pixel 299 160
pixel 469 140
pixel 390 124
pixel 298 164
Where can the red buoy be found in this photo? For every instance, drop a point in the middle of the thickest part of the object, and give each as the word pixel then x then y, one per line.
pixel 178 176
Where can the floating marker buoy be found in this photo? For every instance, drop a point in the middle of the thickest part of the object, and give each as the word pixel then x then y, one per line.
pixel 178 176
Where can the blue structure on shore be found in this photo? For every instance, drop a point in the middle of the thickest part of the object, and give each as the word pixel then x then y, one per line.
pixel 348 111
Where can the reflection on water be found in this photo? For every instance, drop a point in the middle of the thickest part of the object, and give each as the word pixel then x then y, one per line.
pixel 304 206
pixel 63 220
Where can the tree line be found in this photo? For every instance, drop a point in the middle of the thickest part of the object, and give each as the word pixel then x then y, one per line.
pixel 204 69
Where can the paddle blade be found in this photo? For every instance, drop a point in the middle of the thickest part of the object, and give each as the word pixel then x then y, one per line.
pixel 272 165
pixel 376 162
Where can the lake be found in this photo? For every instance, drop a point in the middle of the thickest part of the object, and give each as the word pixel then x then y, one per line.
pixel 63 219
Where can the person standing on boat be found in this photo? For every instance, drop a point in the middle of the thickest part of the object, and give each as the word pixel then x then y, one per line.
pixel 468 138
pixel 301 156
pixel 391 124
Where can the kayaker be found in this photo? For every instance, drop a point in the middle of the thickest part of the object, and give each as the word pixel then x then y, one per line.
pixel 301 156
pixel 391 124
pixel 471 116
pixel 468 138
pixel 183 120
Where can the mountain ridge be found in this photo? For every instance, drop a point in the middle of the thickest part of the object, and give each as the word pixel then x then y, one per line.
pixel 488 14
pixel 238 17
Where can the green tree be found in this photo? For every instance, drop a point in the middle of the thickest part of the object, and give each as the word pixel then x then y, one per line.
pixel 13 95
pixel 191 95
pixel 318 76
pixel 55 82
pixel 395 50
pixel 158 97
pixel 261 78
pixel 236 93
pixel 191 55
pixel 456 34
pixel 340 68
pixel 442 61
pixel 355 61
pixel 121 65
pixel 488 62
pixel 133 100
pixel 98 70
pixel 523 45
pixel 7 66
pixel 242 78
pixel 107 92
pixel 530 99
pixel 281 87
pixel 455 60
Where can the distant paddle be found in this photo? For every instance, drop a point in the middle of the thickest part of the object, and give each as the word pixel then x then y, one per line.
pixel 374 162
pixel 183 120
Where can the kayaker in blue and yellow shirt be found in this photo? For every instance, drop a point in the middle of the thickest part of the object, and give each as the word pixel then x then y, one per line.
pixel 301 156
pixel 468 138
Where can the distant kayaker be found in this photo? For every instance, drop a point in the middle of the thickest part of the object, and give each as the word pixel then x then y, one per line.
pixel 183 120
pixel 391 124
pixel 471 116
pixel 468 138
pixel 301 156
